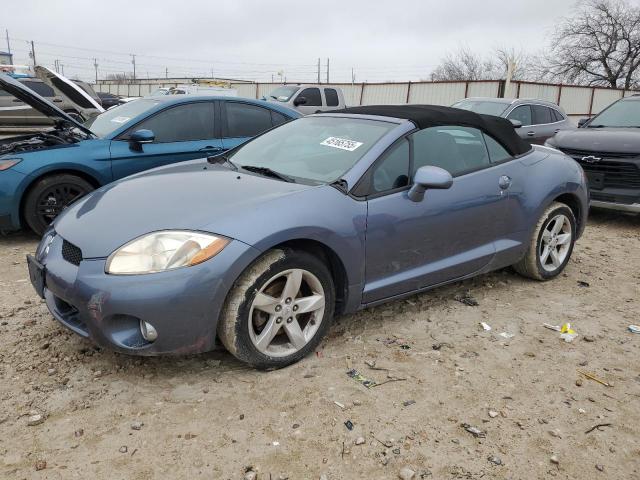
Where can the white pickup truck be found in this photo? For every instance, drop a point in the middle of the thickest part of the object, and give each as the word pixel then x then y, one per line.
pixel 308 99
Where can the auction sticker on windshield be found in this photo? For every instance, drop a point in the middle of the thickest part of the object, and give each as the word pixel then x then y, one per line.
pixel 120 119
pixel 341 143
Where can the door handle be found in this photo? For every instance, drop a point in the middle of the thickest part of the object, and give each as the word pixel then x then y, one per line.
pixel 210 148
pixel 504 182
pixel 16 100
pixel 556 131
pixel 530 134
pixel 57 100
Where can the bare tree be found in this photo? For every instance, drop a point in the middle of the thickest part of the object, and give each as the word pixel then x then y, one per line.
pixel 599 45
pixel 464 64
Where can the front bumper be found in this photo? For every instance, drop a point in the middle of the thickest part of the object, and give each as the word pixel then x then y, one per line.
pixel 621 207
pixel 183 305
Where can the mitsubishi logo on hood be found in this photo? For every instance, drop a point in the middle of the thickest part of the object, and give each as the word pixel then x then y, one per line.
pixel 591 159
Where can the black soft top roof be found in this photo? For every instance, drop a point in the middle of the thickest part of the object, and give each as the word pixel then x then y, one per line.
pixel 425 116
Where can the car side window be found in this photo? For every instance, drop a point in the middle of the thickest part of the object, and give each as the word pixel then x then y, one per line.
pixel 331 96
pixel 522 114
pixel 244 120
pixel 458 150
pixel 392 170
pixel 40 88
pixel 193 121
pixel 313 97
pixel 278 119
pixel 557 116
pixel 497 153
pixel 541 115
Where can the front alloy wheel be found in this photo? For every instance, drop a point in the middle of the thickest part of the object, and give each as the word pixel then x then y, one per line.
pixel 278 310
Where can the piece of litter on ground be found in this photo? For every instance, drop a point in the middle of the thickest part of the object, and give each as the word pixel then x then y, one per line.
pixel 557 328
pixel 634 328
pixel 348 424
pixel 591 376
pixel 275 444
pixel 467 299
pixel 582 283
pixel 507 335
pixel 567 333
pixel 339 404
pixel 408 402
pixel 358 377
pixel 476 432
pixel 485 326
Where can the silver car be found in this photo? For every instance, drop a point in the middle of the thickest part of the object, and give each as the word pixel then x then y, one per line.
pixel 535 120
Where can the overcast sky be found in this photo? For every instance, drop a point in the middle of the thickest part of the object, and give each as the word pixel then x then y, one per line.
pixel 253 39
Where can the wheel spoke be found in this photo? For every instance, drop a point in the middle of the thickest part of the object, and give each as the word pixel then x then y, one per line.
pixel 546 236
pixel 555 258
pixel 545 254
pixel 292 287
pixel 294 332
pixel 265 302
pixel 309 304
pixel 563 238
pixel 268 332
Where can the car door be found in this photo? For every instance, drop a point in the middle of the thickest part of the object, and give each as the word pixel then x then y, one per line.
pixel 13 112
pixel 545 123
pixel 450 233
pixel 524 115
pixel 242 121
pixel 182 132
pixel 313 102
pixel 32 116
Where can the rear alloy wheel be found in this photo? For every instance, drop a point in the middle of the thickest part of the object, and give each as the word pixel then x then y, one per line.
pixel 49 196
pixel 278 310
pixel 551 244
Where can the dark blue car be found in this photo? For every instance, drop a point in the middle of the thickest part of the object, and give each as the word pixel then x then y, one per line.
pixel 328 214
pixel 41 174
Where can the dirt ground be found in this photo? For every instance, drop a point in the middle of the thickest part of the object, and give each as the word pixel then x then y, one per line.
pixel 210 417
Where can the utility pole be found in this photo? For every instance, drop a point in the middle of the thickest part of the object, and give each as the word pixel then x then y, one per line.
pixel 327 69
pixel 8 44
pixel 62 68
pixel 318 71
pixel 353 77
pixel 133 61
pixel 55 65
pixel 166 72
pixel 95 65
pixel 33 53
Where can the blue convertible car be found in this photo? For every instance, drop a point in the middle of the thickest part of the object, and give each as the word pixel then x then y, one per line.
pixel 328 214
pixel 40 174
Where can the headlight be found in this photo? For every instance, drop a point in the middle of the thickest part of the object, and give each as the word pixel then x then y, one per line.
pixel 43 247
pixel 7 164
pixel 160 251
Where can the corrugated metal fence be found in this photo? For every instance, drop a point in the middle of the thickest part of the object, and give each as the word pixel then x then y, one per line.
pixel 577 101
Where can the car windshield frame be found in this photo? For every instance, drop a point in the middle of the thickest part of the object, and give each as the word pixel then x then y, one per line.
pixel 285 98
pixel 113 119
pixel 502 106
pixel 597 122
pixel 301 148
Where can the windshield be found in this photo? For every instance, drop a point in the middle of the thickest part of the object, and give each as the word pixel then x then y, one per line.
pixel 111 120
pixel 283 94
pixel 482 106
pixel 625 113
pixel 313 149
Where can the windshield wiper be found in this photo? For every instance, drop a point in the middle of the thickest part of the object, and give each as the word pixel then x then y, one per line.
pixel 596 126
pixel 266 171
pixel 220 159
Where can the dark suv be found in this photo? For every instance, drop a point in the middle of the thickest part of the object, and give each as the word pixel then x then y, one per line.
pixel 608 148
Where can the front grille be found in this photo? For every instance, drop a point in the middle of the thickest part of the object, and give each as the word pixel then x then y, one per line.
pixel 71 253
pixel 603 197
pixel 614 173
pixel 577 154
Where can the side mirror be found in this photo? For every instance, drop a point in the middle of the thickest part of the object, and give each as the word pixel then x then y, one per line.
pixel 582 122
pixel 140 137
pixel 300 101
pixel 429 177
pixel 516 123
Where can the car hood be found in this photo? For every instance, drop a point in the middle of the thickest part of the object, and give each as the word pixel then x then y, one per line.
pixel 614 140
pixel 85 103
pixel 191 195
pixel 37 102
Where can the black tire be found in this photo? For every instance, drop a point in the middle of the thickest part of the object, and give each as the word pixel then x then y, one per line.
pixel 49 196
pixel 234 322
pixel 530 265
